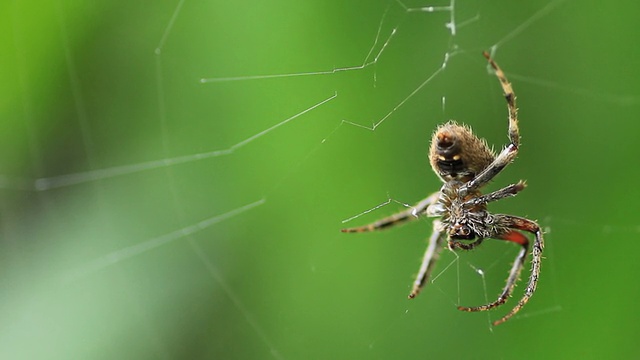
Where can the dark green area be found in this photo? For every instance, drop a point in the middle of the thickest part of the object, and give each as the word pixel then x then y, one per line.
pixel 89 87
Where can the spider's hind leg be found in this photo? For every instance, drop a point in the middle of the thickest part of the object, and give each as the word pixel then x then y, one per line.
pixel 510 96
pixel 508 154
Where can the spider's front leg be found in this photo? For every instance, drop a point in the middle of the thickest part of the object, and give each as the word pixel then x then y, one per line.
pixel 538 245
pixel 432 254
pixel 521 240
pixel 517 223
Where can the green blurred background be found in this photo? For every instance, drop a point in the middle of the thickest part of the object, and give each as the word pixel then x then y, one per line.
pixel 97 85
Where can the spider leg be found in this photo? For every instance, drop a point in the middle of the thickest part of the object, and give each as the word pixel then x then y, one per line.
pixel 430 257
pixel 506 156
pixel 411 213
pixel 520 239
pixel 506 191
pixel 517 223
pixel 538 244
pixel 510 151
pixel 509 95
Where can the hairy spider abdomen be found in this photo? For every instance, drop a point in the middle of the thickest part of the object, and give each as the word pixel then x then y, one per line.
pixel 457 154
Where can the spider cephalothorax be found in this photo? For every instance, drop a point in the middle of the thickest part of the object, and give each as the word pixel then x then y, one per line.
pixel 461 218
pixel 465 164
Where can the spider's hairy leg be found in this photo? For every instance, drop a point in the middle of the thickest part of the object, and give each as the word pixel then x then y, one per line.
pixel 514 274
pixel 517 223
pixel 507 191
pixel 432 254
pixel 538 244
pixel 508 154
pixel 509 95
pixel 411 213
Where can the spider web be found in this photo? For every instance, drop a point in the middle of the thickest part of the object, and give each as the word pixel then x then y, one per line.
pixel 206 216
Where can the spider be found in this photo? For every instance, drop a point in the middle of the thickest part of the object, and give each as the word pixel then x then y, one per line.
pixel 465 164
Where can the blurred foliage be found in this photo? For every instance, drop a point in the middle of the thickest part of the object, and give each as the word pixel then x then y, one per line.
pixel 90 86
